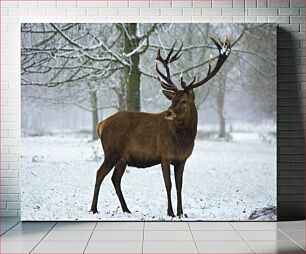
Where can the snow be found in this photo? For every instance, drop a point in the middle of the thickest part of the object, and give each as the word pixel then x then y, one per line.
pixel 222 181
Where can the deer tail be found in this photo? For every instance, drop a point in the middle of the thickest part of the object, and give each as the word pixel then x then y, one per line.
pixel 99 129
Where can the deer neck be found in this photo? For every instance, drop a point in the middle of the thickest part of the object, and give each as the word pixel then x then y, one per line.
pixel 187 127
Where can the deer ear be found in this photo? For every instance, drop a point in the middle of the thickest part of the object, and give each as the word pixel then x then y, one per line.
pixel 168 94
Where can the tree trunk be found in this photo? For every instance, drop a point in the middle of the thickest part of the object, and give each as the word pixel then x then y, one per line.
pixel 220 105
pixel 132 74
pixel 94 114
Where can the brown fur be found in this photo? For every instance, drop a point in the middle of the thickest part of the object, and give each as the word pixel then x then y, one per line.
pixel 143 140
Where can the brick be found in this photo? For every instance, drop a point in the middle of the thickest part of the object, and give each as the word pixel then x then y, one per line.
pixel 262 12
pixel 10 189
pixel 250 19
pixel 202 18
pixel 139 4
pixel 233 11
pixel 297 3
pixel 239 19
pixel 262 3
pixel 262 19
pixel 9 213
pixel 202 3
pixel 291 198
pixel 211 11
pixel 172 12
pixel 9 181
pixel 289 28
pixel 118 4
pixel 108 12
pixel 92 4
pixel 222 19
pixel 279 19
pixel 150 12
pixel 128 11
pixel 250 3
pixel 9 4
pixel 288 11
pixel 10 197
pixel 2 205
pixel 118 19
pixel 57 12
pixel 291 150
pixel 192 11
pixel 38 12
pixel 76 12
pixel 180 3
pixel 18 12
pixel 66 4
pixel 182 19
pixel 160 4
pixel 238 3
pixel 136 19
pixel 161 19
pixel 9 173
pixel 13 205
pixel 92 12
pixel 278 3
pixel 297 19
pixel 222 3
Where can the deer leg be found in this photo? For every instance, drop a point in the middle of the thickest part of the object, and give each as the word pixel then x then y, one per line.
pixel 116 179
pixel 105 168
pixel 178 173
pixel 167 179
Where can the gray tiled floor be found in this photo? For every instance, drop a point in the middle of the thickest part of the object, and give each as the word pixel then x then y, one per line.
pixel 152 237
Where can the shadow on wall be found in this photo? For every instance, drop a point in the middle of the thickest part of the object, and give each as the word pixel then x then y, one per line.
pixel 290 129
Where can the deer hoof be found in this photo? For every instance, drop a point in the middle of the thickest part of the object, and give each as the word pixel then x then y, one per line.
pixel 126 211
pixel 171 214
pixel 94 211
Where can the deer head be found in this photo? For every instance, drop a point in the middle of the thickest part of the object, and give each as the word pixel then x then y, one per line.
pixel 183 99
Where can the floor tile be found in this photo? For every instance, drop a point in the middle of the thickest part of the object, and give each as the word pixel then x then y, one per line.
pixel 223 247
pixel 17 247
pixel 60 247
pixel 276 247
pixel 258 235
pixel 166 226
pixel 114 247
pixel 221 226
pixel 291 225
pixel 63 226
pixel 167 236
pixel 216 236
pixel 9 220
pixel 253 225
pixel 33 226
pixel 107 236
pixel 120 226
pixel 23 236
pixel 69 236
pixel 296 235
pixel 7 225
pixel 169 247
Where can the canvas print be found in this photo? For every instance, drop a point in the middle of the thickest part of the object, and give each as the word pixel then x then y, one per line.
pixel 155 122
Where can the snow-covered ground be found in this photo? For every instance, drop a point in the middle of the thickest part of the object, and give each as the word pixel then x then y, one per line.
pixel 222 181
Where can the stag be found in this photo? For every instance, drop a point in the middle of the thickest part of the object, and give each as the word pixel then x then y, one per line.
pixel 143 140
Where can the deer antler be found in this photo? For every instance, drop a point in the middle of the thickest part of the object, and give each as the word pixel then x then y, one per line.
pixel 224 52
pixel 167 83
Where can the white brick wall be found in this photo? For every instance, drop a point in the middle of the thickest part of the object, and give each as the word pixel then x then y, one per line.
pixel 290 13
